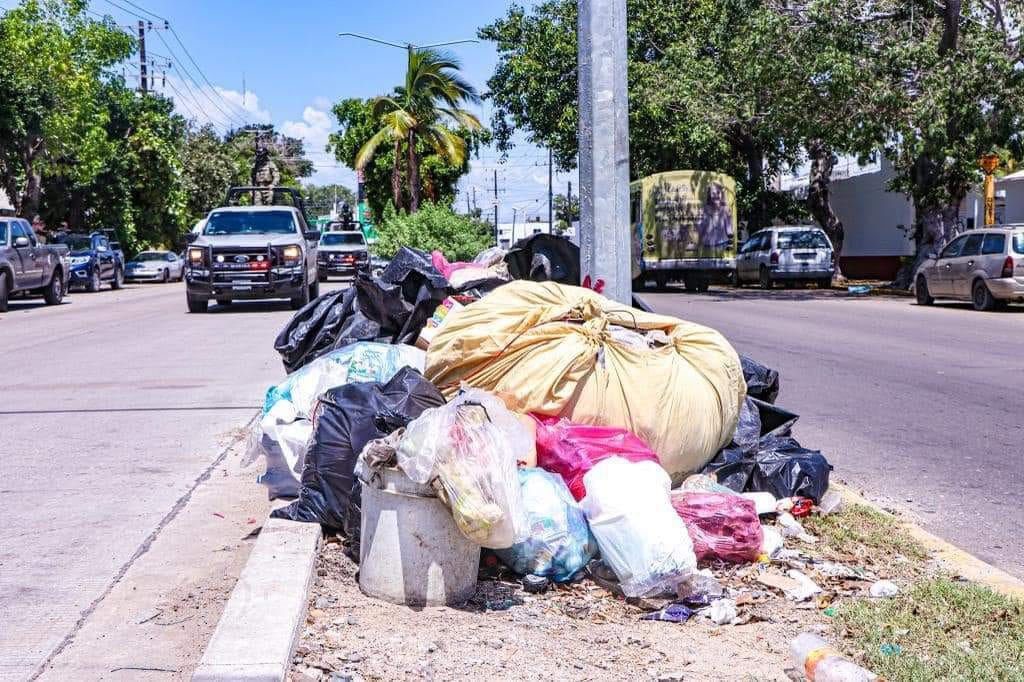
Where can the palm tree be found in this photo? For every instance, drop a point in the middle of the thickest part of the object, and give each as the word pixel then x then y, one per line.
pixel 433 93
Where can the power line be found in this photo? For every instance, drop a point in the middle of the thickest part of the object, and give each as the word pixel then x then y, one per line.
pixel 205 79
pixel 181 68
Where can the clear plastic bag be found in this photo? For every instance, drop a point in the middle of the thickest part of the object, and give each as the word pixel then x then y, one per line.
pixel 640 535
pixel 560 542
pixel 471 445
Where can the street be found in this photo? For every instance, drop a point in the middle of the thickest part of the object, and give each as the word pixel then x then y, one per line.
pixel 913 404
pixel 118 406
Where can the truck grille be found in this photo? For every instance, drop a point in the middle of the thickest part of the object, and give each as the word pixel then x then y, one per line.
pixel 241 264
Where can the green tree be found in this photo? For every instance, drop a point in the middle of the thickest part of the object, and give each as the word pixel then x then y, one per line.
pixel 320 198
pixel 52 57
pixel 412 117
pixel 209 169
pixel 433 227
pixel 358 123
pixel 287 153
pixel 566 211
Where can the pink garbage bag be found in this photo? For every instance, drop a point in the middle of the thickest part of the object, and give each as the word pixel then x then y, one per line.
pixel 722 526
pixel 571 450
pixel 442 265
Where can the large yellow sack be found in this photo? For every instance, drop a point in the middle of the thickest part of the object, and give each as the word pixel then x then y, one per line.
pixel 548 348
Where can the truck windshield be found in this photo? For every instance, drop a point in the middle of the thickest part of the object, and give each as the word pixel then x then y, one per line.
pixel 802 240
pixel 151 255
pixel 3 233
pixel 79 243
pixel 342 238
pixel 250 222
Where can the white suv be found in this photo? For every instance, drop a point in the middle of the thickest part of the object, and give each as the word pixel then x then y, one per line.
pixel 983 266
pixel 791 254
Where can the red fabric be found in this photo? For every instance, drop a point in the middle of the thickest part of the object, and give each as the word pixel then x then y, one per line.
pixel 721 526
pixel 442 265
pixel 571 450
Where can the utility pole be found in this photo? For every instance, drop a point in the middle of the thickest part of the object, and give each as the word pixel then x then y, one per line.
pixel 604 147
pixel 143 80
pixel 496 208
pixel 551 196
pixel 474 197
pixel 469 211
pixel 515 214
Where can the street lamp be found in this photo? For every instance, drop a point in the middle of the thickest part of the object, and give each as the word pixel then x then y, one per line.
pixel 989 163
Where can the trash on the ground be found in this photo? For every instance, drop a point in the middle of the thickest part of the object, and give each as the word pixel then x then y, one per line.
pixel 571 450
pixel 773 541
pixel 280 437
pixel 702 483
pixel 472 446
pixel 535 584
pixel 640 535
pixel 764 503
pixel 790 526
pixel 801 507
pixel 673 613
pixel 890 649
pixel 831 503
pixel 559 542
pixel 807 588
pixel 346 419
pixel 549 347
pixel 391 309
pixel 859 289
pixel 884 588
pixel 362 361
pixel 781 467
pixel 411 551
pixel 723 527
pixel 722 612
pixel 813 656
pixel 701 588
pixel 461 275
pixel 544 257
pixel 435 321
pixel 762 382
pixel 777 582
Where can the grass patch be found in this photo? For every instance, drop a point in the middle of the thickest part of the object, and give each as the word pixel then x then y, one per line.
pixel 868 538
pixel 945 630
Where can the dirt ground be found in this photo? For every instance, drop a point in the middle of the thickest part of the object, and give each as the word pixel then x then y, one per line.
pixel 575 632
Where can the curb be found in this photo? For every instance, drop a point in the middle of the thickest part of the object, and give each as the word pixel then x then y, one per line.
pixel 965 564
pixel 257 632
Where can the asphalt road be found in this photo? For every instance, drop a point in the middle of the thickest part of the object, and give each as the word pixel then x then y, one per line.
pixel 923 406
pixel 114 405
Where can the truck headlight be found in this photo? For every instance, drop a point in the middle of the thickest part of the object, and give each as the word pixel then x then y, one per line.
pixel 79 260
pixel 195 256
pixel 291 255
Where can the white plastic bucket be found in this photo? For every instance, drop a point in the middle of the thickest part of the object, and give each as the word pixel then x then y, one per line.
pixel 411 552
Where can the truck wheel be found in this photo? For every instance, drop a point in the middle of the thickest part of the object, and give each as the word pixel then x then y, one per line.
pixel 321 277
pixel 94 282
pixel 301 300
pixel 53 294
pixel 4 292
pixel 118 280
pixel 661 281
pixel 197 305
pixel 765 278
pixel 982 297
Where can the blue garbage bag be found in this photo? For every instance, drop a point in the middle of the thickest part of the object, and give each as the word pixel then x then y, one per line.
pixel 560 542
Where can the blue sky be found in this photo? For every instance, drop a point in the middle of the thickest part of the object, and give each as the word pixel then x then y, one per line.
pixel 294 66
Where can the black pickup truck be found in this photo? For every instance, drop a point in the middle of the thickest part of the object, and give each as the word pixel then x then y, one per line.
pixel 94 260
pixel 26 264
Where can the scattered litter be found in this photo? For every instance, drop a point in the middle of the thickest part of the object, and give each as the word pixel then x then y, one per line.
pixel 674 613
pixel 535 584
pixel 831 503
pixel 772 542
pixel 884 588
pixel 724 527
pixel 806 589
pixel 764 503
pixel 722 612
pixel 890 649
pixel 218 514
pixel 859 289
pixel 821 663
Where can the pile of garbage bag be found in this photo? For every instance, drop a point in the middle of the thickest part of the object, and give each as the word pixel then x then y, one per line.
pixel 559 429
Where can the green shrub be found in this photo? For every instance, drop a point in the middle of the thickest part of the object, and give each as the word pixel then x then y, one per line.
pixel 433 227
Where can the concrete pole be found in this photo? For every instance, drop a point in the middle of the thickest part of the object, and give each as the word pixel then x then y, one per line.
pixel 604 147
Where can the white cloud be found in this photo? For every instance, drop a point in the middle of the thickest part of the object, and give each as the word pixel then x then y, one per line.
pixel 314 128
pixel 222 107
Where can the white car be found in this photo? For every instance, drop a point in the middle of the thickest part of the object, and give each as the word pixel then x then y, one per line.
pixel 155 266
pixel 788 254
pixel 983 266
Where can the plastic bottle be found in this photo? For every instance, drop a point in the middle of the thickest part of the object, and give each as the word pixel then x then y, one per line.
pixel 821 663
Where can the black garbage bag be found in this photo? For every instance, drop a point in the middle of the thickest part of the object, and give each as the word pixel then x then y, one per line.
pixel 748 427
pixel 545 257
pixel 774 420
pixel 762 383
pixel 391 309
pixel 347 418
pixel 781 466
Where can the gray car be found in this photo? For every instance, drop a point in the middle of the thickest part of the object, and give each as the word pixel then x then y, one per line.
pixel 155 266
pixel 983 266
pixel 789 254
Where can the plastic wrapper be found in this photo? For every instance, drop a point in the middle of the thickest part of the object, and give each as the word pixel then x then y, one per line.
pixel 471 445
pixel 724 527
pixel 362 361
pixel 762 382
pixel 702 483
pixel 640 535
pixel 559 541
pixel 490 257
pixel 571 450
pixel 389 309
pixel 551 348
pixel 780 467
pixel 543 258
pixel 346 419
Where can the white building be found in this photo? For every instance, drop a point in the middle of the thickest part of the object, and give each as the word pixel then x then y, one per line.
pixel 510 233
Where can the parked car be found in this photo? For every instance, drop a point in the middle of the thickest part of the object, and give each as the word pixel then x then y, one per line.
pixel 26 264
pixel 787 254
pixel 983 266
pixel 343 253
pixel 253 252
pixel 155 266
pixel 94 261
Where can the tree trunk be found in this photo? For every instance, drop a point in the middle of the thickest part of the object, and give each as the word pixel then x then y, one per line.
pixel 819 197
pixel 936 227
pixel 752 153
pixel 396 177
pixel 415 191
pixel 28 205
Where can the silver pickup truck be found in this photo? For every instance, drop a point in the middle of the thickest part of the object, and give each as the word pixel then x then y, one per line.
pixel 26 264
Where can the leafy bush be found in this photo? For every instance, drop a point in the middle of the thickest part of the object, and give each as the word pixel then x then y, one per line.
pixel 433 227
